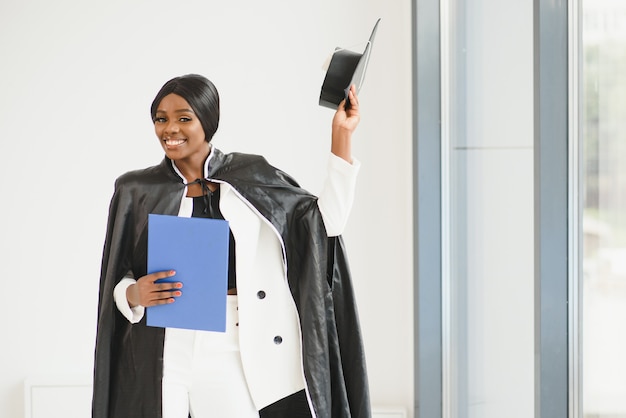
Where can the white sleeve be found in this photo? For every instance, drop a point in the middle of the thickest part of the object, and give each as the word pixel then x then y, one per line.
pixel 335 200
pixel 133 315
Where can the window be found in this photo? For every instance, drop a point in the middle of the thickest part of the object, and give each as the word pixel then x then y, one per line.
pixel 603 112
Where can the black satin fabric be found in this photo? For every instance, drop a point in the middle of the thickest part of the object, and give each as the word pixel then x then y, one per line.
pixel 128 358
pixel 293 406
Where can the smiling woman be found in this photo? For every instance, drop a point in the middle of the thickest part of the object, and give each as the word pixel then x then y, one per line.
pixel 184 128
pixel 291 315
pixel 181 135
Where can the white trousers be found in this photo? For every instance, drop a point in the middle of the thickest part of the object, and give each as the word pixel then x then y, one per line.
pixel 202 372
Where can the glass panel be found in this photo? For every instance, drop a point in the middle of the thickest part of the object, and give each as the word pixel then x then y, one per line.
pixel 487 208
pixel 604 210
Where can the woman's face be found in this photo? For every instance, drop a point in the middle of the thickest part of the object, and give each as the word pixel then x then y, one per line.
pixel 179 130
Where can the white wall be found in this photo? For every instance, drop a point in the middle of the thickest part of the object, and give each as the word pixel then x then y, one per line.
pixel 77 79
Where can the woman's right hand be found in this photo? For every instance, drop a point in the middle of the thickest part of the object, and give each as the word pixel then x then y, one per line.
pixel 146 292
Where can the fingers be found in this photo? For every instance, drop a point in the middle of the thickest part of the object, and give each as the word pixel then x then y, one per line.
pixel 165 286
pixel 352 94
pixel 161 275
pixel 151 292
pixel 348 107
pixel 354 100
pixel 162 298
pixel 352 97
pixel 160 294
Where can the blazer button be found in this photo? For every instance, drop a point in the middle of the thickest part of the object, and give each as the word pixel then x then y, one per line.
pixel 278 340
pixel 260 294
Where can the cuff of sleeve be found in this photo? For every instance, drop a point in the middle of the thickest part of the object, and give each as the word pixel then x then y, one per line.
pixel 335 200
pixel 133 315
pixel 345 168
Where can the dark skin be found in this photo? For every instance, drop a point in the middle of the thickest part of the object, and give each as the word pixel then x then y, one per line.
pixel 182 138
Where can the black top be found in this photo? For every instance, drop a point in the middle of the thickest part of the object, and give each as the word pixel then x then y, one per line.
pixel 207 206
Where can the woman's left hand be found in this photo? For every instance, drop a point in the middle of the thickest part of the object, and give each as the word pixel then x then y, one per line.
pixel 344 124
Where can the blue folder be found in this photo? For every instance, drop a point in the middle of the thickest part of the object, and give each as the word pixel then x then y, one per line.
pixel 197 249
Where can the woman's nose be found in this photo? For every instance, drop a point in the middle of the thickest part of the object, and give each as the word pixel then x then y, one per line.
pixel 171 127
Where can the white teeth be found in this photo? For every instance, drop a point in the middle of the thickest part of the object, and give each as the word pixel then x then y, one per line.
pixel 173 142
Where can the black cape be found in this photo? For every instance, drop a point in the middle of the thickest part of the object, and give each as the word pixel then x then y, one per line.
pixel 128 358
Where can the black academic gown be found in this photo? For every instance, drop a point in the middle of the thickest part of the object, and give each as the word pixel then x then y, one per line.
pixel 128 365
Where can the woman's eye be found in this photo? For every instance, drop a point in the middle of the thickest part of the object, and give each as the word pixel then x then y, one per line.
pixel 185 119
pixel 159 120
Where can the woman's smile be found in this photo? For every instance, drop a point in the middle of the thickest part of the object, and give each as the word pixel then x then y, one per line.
pixel 174 142
pixel 178 128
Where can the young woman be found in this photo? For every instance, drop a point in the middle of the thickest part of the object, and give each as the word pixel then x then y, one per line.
pixel 292 346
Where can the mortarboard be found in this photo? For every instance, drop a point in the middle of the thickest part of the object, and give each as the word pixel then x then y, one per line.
pixel 346 68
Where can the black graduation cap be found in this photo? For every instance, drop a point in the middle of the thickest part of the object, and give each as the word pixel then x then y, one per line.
pixel 346 68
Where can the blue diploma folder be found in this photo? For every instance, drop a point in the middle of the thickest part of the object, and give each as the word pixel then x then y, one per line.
pixel 197 249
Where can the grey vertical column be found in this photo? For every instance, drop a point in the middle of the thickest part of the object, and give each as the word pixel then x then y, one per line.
pixel 551 211
pixel 427 207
